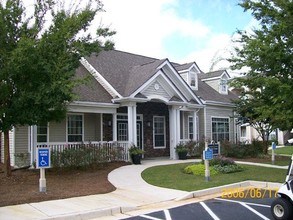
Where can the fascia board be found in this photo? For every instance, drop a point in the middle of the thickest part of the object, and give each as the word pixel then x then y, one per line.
pixel 207 102
pixel 93 104
pixel 181 80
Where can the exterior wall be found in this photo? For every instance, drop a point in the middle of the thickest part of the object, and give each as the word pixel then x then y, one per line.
pixel 184 76
pixel 11 147
pixel 219 112
pixel 184 124
pixel 91 125
pixel 21 146
pixel 57 131
pixel 148 110
pixel 214 84
pixel 157 89
pixel 202 125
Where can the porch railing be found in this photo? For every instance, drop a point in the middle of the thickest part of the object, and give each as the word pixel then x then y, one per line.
pixel 87 152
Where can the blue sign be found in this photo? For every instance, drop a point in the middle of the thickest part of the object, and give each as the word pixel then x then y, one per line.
pixel 208 154
pixel 215 148
pixel 43 157
pixel 274 146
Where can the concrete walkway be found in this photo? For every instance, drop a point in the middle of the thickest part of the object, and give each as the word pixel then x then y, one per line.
pixel 132 192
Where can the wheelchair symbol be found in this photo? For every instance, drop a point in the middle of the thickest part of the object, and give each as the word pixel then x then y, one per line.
pixel 43 162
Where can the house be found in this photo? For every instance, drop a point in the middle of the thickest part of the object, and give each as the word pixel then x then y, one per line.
pixel 134 99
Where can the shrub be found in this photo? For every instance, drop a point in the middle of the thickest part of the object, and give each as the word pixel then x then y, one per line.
pixel 221 161
pixel 242 150
pixel 232 168
pixel 199 170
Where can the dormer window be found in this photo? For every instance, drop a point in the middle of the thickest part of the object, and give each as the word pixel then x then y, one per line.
pixel 223 86
pixel 193 80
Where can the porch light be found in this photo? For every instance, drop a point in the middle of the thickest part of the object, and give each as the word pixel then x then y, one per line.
pixel 109 123
pixel 149 124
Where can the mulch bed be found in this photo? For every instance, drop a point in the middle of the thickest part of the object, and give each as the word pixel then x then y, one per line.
pixel 23 185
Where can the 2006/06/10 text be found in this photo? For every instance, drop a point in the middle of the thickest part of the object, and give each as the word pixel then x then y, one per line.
pixel 246 193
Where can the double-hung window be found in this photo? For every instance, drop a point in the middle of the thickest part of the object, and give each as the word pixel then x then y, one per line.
pixel 75 128
pixel 159 132
pixel 220 129
pixel 42 133
pixel 224 86
pixel 190 127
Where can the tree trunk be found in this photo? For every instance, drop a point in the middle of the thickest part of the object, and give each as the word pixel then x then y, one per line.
pixel 7 166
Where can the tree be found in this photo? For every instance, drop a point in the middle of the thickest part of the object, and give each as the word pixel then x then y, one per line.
pixel 254 106
pixel 267 51
pixel 38 60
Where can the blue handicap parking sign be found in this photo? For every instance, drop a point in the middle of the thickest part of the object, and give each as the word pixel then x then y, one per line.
pixel 274 146
pixel 43 157
pixel 208 154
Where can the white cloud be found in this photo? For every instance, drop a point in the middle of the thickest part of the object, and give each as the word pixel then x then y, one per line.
pixel 143 25
pixel 216 45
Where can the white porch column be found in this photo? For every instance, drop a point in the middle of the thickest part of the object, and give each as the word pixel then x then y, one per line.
pixel 114 126
pixel 174 120
pixel 131 111
pixel 33 142
pixel 102 127
pixel 195 135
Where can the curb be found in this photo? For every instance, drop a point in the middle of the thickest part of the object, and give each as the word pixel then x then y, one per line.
pixel 219 189
pixel 93 213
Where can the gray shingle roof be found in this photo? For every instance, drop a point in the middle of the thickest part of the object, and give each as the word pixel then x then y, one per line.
pixel 209 94
pixel 90 90
pixel 127 72
pixel 117 68
pixel 213 74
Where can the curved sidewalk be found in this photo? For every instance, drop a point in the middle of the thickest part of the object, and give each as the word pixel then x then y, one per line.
pixel 131 193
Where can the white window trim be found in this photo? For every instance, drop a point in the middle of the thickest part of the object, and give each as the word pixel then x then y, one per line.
pixel 189 127
pixel 48 137
pixel 195 87
pixel 159 147
pixel 221 87
pixel 221 118
pixel 82 116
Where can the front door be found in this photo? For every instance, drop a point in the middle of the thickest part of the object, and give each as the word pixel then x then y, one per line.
pixel 122 130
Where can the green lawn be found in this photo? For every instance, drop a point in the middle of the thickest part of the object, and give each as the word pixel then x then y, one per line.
pixel 284 150
pixel 171 176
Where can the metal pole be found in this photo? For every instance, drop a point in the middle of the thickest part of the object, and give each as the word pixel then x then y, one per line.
pixel 273 153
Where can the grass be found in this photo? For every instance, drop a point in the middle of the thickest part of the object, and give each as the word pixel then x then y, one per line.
pixel 283 150
pixel 171 176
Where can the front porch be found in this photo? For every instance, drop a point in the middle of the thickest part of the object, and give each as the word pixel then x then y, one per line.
pixel 154 126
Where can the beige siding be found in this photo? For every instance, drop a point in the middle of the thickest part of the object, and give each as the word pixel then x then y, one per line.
pixel 184 76
pixel 214 84
pixel 11 147
pixel 21 146
pixel 57 131
pixel 21 140
pixel 151 90
pixel 201 124
pixel 91 127
pixel 219 112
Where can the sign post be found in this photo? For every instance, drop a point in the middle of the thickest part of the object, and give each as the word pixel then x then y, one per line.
pixel 274 146
pixel 207 155
pixel 43 161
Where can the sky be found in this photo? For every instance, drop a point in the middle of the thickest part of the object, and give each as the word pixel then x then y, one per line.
pixel 181 30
